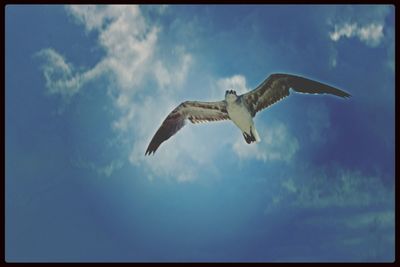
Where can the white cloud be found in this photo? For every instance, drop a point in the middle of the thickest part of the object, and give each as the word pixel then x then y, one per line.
pixel 127 40
pixel 276 144
pixel 236 82
pixel 130 57
pixel 102 170
pixel 289 185
pixel 93 17
pixel 363 205
pixel 370 34
pixel 173 76
pixel 345 188
pixel 359 206
pixel 357 220
pixel 367 23
pixel 369 234
pixel 366 219
pixel 59 75
pixel 346 30
pixel 130 43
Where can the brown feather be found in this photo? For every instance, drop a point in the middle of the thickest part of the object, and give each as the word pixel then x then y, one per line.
pixel 276 87
pixel 195 112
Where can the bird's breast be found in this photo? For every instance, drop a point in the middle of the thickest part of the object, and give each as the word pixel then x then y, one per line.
pixel 239 114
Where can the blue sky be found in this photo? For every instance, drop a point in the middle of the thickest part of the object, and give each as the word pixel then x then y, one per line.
pixel 88 86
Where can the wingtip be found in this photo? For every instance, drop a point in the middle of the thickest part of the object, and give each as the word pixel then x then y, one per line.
pixel 347 95
pixel 343 94
pixel 148 152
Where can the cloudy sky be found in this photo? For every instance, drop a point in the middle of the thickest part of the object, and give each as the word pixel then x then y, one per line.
pixel 88 86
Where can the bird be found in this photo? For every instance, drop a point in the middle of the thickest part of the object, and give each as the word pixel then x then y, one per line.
pixel 240 109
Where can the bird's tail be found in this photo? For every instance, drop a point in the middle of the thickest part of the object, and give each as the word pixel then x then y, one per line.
pixel 255 134
pixel 252 136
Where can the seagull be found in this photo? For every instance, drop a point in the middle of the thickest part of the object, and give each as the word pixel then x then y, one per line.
pixel 241 109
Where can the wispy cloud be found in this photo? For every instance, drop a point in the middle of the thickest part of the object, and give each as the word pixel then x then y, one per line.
pixel 127 42
pixel 127 39
pixel 277 143
pixel 132 57
pixel 167 76
pixel 235 82
pixel 60 76
pixel 384 218
pixel 102 170
pixel 371 34
pixel 366 23
pixel 354 208
pixel 344 188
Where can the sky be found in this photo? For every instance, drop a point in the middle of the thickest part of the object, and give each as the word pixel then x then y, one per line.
pixel 86 88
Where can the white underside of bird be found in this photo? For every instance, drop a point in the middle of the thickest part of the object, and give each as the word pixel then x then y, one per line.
pixel 241 116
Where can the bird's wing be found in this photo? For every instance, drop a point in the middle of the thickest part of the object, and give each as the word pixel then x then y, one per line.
pixel 195 112
pixel 277 86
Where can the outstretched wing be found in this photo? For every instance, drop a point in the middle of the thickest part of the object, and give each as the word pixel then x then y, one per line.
pixel 191 110
pixel 277 86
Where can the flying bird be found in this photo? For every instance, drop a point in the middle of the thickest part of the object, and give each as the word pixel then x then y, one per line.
pixel 241 109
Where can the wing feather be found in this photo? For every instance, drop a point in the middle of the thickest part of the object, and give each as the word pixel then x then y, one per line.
pixel 276 87
pixel 195 112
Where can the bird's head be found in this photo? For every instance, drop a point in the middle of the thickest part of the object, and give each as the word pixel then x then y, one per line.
pixel 230 95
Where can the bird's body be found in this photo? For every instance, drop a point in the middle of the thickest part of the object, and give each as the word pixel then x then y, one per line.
pixel 240 109
pixel 239 113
